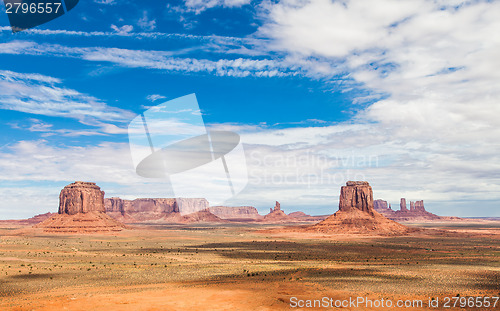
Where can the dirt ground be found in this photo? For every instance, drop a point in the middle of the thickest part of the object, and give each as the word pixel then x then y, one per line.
pixel 245 267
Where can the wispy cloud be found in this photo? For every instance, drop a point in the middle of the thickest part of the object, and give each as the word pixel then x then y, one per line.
pixel 140 35
pixel 146 23
pixel 41 95
pixel 201 5
pixel 107 2
pixel 155 97
pixel 247 46
pixel 161 60
pixel 47 130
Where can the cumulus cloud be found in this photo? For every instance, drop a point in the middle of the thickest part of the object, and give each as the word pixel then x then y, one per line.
pixel 433 60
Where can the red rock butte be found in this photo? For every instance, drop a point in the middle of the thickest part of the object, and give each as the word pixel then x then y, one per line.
pixel 356 214
pixel 81 210
pixel 356 194
pixel 81 197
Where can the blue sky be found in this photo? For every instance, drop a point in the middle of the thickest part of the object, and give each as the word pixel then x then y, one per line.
pixel 400 93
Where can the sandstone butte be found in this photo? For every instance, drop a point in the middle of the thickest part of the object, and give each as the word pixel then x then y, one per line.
pixel 81 210
pixel 356 214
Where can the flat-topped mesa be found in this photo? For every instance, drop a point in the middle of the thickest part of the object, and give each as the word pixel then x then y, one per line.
pixel 402 205
pixel 81 197
pixel 358 195
pixel 157 209
pixel 236 212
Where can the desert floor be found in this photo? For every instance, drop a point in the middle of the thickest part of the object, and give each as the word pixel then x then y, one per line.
pixel 243 267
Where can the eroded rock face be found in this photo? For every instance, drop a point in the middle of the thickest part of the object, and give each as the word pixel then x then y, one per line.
pixel 419 206
pixel 276 214
pixel 402 205
pixel 153 209
pixel 81 197
pixel 277 207
pixel 356 195
pixel 412 206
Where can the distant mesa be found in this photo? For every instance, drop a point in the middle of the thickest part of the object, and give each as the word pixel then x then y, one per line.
pixel 298 215
pixel 30 221
pixel 356 214
pixel 160 210
pixel 301 216
pixel 204 216
pixel 81 210
pixel 416 212
pixel 241 213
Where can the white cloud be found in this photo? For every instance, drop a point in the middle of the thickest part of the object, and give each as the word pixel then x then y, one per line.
pixel 161 60
pixel 202 5
pixel 155 97
pixel 435 62
pixel 41 95
pixel 47 129
pixel 334 28
pixel 107 2
pixel 123 30
pixel 145 23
